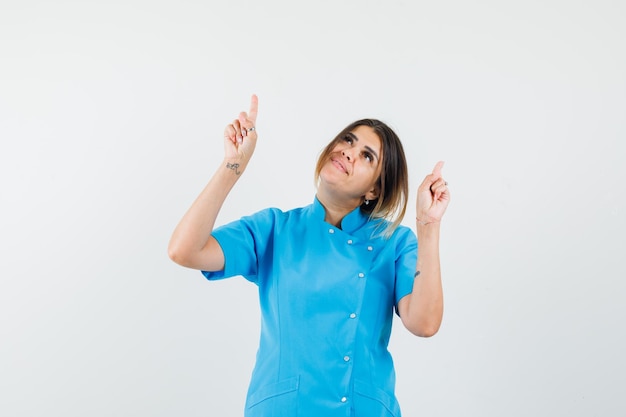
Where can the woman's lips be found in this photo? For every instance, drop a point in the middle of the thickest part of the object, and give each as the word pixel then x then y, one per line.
pixel 339 165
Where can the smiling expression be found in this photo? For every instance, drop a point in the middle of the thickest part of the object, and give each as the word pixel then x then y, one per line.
pixel 353 166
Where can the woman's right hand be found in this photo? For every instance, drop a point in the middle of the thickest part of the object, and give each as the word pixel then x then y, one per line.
pixel 240 136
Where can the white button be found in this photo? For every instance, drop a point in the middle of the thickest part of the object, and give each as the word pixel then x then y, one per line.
pixel 331 231
pixel 353 315
pixel 346 358
pixel 369 248
pixel 350 242
pixel 361 274
pixel 344 399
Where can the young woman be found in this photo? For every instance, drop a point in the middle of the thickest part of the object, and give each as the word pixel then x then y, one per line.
pixel 330 275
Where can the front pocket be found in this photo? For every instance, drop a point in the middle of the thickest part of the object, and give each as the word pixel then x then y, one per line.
pixel 279 399
pixel 374 401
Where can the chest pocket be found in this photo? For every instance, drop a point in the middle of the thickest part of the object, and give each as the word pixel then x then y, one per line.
pixel 277 400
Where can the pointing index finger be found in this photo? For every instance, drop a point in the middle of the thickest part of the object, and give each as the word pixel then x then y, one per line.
pixel 254 107
pixel 437 169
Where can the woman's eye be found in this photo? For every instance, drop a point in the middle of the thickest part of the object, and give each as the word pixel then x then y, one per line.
pixel 368 156
pixel 348 140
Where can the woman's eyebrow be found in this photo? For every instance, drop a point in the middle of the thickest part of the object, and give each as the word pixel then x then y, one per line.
pixel 356 139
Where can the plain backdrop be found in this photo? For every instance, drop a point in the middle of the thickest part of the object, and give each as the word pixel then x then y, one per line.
pixel 111 121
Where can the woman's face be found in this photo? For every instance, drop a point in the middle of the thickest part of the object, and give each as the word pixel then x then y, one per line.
pixel 353 166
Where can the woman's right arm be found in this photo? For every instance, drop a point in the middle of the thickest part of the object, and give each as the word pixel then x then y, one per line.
pixel 191 244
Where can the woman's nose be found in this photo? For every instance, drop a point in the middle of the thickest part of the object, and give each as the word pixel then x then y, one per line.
pixel 346 154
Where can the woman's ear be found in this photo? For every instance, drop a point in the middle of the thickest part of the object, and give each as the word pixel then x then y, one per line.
pixel 372 194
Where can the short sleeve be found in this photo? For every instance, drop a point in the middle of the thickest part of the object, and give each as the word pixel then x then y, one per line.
pixel 244 242
pixel 406 262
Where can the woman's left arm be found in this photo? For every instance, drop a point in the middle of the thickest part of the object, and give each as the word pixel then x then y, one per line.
pixel 422 310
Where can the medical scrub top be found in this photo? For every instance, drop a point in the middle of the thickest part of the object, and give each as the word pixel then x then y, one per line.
pixel 327 297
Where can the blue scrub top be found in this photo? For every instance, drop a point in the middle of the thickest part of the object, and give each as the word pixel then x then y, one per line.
pixel 327 298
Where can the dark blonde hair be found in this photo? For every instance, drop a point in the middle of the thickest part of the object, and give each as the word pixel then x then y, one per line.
pixel 393 181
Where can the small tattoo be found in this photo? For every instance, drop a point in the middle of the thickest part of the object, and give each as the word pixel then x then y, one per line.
pixel 416 274
pixel 234 167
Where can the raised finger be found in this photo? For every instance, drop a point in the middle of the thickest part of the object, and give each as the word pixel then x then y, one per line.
pixel 254 108
pixel 437 169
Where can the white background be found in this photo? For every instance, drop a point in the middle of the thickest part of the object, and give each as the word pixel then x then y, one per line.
pixel 111 120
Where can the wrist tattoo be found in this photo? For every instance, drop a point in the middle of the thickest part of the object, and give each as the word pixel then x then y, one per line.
pixel 234 167
pixel 416 274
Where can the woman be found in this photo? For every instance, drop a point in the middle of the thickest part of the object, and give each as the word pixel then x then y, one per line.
pixel 330 274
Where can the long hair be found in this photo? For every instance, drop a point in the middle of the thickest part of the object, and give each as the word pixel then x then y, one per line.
pixel 393 182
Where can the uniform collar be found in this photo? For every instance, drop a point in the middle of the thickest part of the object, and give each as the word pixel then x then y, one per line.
pixel 352 221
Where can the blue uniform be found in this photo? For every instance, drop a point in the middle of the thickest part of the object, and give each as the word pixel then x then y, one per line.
pixel 327 297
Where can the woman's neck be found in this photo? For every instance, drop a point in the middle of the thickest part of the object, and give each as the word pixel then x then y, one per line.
pixel 336 210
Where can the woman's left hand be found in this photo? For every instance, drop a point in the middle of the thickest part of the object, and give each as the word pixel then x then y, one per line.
pixel 433 197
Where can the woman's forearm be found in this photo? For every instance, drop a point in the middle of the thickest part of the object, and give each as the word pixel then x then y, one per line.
pixel 190 244
pixel 424 312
